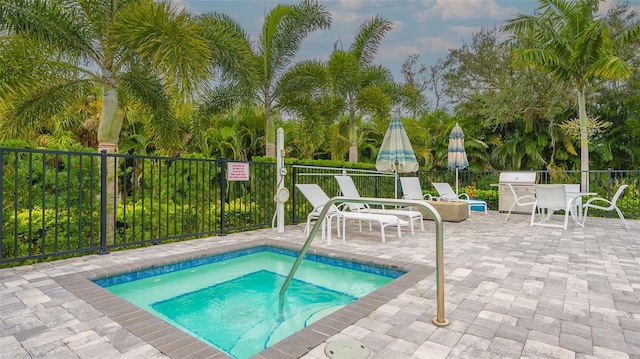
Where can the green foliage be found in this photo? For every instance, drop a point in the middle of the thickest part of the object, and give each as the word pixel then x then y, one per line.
pixel 49 202
pixel 319 163
pixel 488 195
pixel 14 143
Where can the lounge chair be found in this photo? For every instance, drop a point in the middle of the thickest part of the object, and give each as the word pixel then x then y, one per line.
pixel 348 189
pixel 446 193
pixel 411 189
pixel 318 199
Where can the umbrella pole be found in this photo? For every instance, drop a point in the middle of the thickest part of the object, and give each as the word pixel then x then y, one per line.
pixel 456 182
pixel 395 183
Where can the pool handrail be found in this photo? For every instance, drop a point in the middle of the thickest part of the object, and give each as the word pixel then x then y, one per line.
pixel 440 319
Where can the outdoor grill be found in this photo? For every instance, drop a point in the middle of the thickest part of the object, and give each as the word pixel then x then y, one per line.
pixel 522 182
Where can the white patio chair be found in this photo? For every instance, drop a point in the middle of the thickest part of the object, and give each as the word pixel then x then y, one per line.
pixel 446 193
pixel 411 189
pixel 609 205
pixel 549 199
pixel 573 194
pixel 318 199
pixel 348 189
pixel 525 200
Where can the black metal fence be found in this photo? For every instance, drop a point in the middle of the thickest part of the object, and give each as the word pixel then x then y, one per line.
pixel 57 204
pixel 68 203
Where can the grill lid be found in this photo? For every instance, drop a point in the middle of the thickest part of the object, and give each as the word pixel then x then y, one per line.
pixel 518 177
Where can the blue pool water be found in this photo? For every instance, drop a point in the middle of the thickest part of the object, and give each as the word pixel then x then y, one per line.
pixel 231 300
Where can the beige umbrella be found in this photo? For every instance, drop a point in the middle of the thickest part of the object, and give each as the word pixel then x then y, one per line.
pixel 456 156
pixel 396 153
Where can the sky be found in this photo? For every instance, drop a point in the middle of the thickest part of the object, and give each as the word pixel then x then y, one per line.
pixel 428 28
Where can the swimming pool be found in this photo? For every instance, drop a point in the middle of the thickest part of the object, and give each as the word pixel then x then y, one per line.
pixel 215 287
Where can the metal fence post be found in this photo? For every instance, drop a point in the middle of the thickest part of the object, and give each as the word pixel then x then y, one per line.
pixel 609 180
pixel 223 190
pixel 1 196
pixel 294 176
pixel 103 202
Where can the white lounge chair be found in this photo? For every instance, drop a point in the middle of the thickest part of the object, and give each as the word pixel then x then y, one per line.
pixel 318 199
pixel 609 205
pixel 348 189
pixel 549 199
pixel 411 189
pixel 446 193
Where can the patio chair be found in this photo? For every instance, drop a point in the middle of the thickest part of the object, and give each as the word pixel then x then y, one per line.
pixel 608 205
pixel 411 189
pixel 318 199
pixel 525 200
pixel 549 199
pixel 348 189
pixel 446 193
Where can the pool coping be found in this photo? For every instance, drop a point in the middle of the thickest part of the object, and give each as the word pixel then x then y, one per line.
pixel 176 343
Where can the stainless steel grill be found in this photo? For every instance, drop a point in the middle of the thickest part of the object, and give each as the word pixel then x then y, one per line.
pixel 522 182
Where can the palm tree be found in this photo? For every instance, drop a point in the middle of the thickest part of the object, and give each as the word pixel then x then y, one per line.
pixel 568 40
pixel 353 72
pixel 139 51
pixel 282 33
pixel 305 94
pixel 142 51
pixel 348 84
pixel 266 62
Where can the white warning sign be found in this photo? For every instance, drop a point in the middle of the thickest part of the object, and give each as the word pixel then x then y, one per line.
pixel 237 171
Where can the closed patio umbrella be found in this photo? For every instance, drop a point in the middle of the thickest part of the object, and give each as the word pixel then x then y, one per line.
pixel 456 155
pixel 396 153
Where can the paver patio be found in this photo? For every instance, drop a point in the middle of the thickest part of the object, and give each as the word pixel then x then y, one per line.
pixel 511 291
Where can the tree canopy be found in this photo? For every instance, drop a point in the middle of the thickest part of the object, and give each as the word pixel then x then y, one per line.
pixel 107 73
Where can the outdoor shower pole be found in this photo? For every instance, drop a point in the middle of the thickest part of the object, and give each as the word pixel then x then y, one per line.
pixel 440 319
pixel 282 171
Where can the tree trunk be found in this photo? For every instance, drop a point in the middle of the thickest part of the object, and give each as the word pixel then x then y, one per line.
pixel 269 131
pixel 353 139
pixel 112 189
pixel 108 136
pixel 584 142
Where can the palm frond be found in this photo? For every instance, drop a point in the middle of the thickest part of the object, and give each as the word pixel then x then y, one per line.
pixel 232 48
pixel 367 40
pixel 307 76
pixel 162 122
pixel 51 22
pixel 630 35
pixel 376 75
pixel 608 68
pixel 284 29
pixel 169 41
pixel 32 113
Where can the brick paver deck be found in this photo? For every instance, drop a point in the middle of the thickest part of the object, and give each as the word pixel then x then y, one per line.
pixel 511 291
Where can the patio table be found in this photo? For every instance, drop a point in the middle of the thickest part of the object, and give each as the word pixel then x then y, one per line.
pixel 576 199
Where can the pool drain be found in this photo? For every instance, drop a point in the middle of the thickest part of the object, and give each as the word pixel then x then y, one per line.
pixel 346 349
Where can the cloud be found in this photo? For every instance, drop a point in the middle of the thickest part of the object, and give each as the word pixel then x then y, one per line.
pixel 470 9
pixel 398 27
pixel 344 17
pixel 182 5
pixel 396 52
pixel 462 10
pixel 465 32
pixel 352 4
pixel 436 44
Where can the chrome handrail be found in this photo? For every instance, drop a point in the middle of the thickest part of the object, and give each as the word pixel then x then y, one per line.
pixel 440 319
